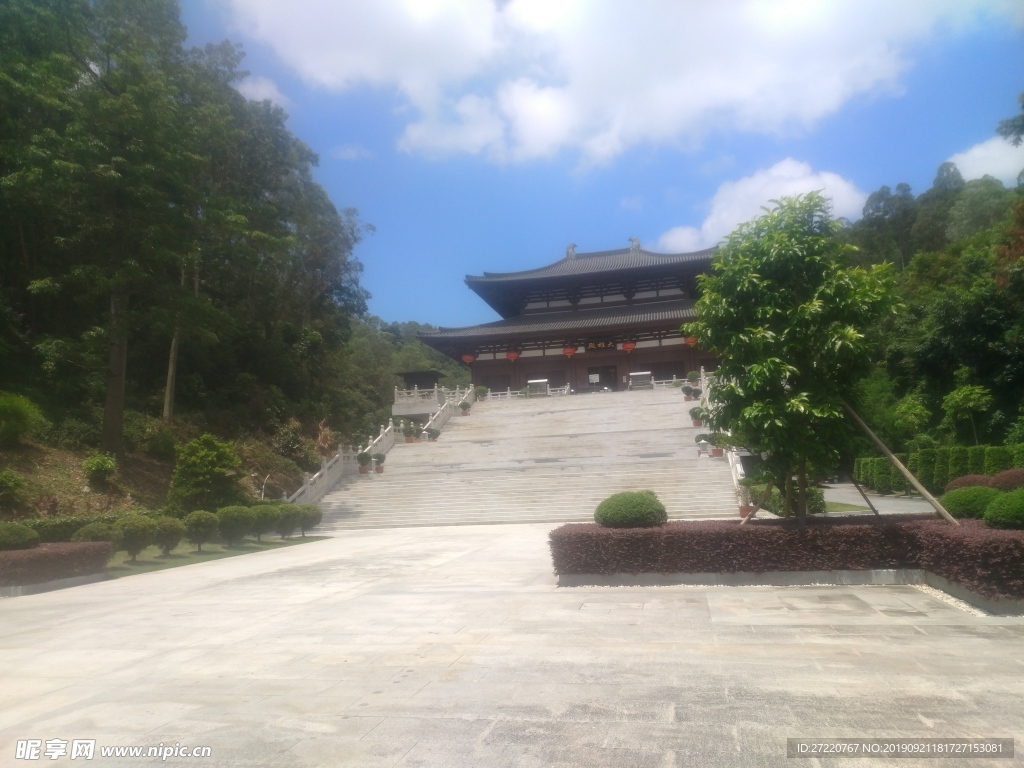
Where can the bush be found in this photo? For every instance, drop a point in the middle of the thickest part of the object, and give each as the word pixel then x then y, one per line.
pixel 54 529
pixel 100 469
pixel 14 536
pixel 997 458
pixel 310 516
pixel 959 464
pixel 53 561
pixel 967 481
pixel 897 480
pixel 914 465
pixel 1006 511
pixel 976 460
pixel 1018 455
pixel 926 467
pixel 365 458
pixel 481 391
pixel 968 502
pixel 776 501
pixel 95 532
pixel 134 534
pixel 200 527
pixel 465 405
pixel 76 434
pixel 1008 480
pixel 18 416
pixel 289 520
pixel 169 533
pixel 205 475
pixel 12 490
pixel 631 509
pixel 379 458
pixel 234 523
pixel 883 476
pixel 264 519
pixel 940 471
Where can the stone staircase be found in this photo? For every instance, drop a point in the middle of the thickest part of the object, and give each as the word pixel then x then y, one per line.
pixel 540 460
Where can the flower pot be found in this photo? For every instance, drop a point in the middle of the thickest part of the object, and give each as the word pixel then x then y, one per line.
pixel 465 413
pixel 717 453
pixel 698 423
pixel 688 398
pixel 379 469
pixel 746 509
pixel 364 470
pixel 410 439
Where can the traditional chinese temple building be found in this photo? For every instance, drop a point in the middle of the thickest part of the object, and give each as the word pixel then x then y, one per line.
pixel 588 320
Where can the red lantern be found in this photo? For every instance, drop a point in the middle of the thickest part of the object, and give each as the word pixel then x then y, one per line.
pixel 568 351
pixel 691 341
pixel 467 359
pixel 629 346
pixel 512 355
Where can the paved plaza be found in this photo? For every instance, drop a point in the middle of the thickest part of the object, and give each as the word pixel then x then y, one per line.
pixel 452 646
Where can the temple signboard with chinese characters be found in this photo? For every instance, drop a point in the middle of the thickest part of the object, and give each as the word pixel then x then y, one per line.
pixel 587 320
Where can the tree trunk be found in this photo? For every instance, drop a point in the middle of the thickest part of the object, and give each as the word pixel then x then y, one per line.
pixel 172 363
pixel 112 440
pixel 801 507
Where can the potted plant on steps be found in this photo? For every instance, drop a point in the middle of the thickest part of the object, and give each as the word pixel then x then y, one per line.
pixel 703 444
pixel 697 414
pixel 718 443
pixel 432 434
pixel 694 377
pixel 746 489
pixel 465 406
pixel 364 462
pixel 687 393
pixel 378 459
pixel 411 432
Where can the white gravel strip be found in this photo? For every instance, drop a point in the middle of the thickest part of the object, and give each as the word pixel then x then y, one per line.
pixel 956 602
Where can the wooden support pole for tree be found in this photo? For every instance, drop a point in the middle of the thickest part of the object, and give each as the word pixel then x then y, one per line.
pixel 767 493
pixel 864 495
pixel 898 464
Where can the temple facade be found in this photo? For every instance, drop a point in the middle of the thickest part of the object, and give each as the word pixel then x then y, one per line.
pixel 588 321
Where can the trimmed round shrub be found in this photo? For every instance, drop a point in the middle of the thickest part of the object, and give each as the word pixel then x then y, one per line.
pixel 234 523
pixel 1008 480
pixel 200 527
pixel 1006 510
pixel 264 519
pixel 95 532
pixel 169 533
pixel 481 392
pixel 14 536
pixel 310 516
pixel 631 509
pixel 969 502
pixel 18 416
pixel 289 520
pixel 99 468
pixel 967 481
pixel 12 490
pixel 134 534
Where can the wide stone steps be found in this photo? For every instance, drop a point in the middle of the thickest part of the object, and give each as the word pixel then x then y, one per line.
pixel 540 460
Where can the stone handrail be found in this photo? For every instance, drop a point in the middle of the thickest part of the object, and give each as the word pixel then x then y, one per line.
pixel 440 418
pixel 508 394
pixel 417 395
pixel 315 487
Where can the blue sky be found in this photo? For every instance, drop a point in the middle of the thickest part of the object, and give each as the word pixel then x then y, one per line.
pixel 479 135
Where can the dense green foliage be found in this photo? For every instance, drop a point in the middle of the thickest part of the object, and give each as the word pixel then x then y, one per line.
pixel 288 520
pixel 631 509
pixel 205 476
pixel 310 516
pixel 787 317
pixel 169 533
pixel 15 536
pixel 1006 511
pixel 135 533
pixel 95 532
pixel 200 527
pixel 12 490
pixel 968 502
pixel 264 519
pixel 18 416
pixel 234 523
pixel 99 468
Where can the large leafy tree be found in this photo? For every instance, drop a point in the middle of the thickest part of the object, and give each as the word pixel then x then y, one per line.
pixel 786 315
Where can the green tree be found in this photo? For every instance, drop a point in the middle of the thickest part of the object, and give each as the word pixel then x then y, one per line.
pixel 786 316
pixel 205 476
pixel 966 401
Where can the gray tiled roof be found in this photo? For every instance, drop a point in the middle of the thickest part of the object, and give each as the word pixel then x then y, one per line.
pixel 597 262
pixel 578 321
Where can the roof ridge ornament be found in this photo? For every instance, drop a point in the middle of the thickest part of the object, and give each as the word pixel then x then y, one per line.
pixel 570 251
pixel 634 244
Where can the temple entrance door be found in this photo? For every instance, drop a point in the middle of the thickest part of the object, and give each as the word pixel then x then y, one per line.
pixel 602 377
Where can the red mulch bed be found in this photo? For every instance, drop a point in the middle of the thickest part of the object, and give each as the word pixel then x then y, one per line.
pixel 986 561
pixel 53 561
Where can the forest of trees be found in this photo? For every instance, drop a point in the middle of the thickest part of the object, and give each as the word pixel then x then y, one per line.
pixel 169 265
pixel 951 359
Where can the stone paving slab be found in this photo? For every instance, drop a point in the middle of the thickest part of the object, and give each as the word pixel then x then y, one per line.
pixel 454 647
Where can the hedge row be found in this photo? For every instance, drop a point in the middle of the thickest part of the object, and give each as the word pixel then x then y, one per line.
pixel 935 467
pixel 53 561
pixel 988 562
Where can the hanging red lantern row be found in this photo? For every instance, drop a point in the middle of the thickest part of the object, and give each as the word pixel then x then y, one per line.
pixel 467 359
pixel 512 355
pixel 629 346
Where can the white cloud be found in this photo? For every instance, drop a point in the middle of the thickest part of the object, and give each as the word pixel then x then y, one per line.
pixel 525 79
pixel 739 201
pixel 996 157
pixel 262 88
pixel 350 152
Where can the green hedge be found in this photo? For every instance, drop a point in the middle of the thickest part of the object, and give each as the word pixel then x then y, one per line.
pixel 14 536
pixel 926 467
pixel 54 529
pixel 1006 511
pixel 883 476
pixel 959 463
pixel 976 460
pixel 997 458
pixel 1018 455
pixel 899 482
pixel 969 502
pixel 913 463
pixel 940 471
